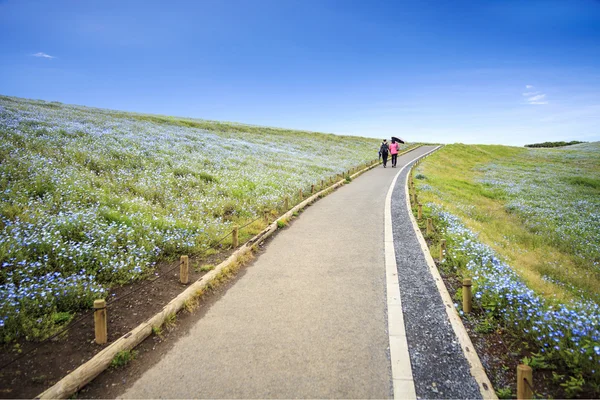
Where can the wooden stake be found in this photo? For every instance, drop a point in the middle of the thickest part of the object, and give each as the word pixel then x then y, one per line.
pixel 184 265
pixel 235 233
pixel 300 194
pixel 442 249
pixel 420 211
pixel 266 216
pixel 286 203
pixel 100 321
pixel 466 293
pixel 322 184
pixel 312 189
pixel 524 376
pixel 429 226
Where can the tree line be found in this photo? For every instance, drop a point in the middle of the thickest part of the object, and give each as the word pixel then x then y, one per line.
pixel 553 144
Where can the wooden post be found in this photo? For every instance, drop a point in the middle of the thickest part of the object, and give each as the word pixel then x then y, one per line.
pixel 442 248
pixel 300 194
pixel 235 233
pixel 100 321
pixel 312 189
pixel 286 203
pixel 429 226
pixel 184 265
pixel 266 216
pixel 420 211
pixel 524 376
pixel 414 198
pixel 466 293
pixel 322 184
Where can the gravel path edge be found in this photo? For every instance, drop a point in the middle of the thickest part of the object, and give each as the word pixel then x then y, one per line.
pixel 476 368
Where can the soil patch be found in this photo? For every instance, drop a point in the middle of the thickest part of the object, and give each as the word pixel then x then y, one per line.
pixel 43 364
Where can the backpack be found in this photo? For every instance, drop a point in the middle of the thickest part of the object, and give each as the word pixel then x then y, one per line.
pixel 383 149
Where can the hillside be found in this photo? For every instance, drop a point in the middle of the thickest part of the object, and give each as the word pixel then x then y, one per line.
pixel 90 198
pixel 524 224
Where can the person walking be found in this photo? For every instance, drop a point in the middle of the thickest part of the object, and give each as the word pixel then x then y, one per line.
pixel 394 149
pixel 384 151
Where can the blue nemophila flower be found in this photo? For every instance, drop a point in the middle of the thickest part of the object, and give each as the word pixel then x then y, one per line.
pixel 99 197
pixel 557 329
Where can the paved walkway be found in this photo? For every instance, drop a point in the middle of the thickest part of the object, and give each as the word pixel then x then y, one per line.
pixel 307 320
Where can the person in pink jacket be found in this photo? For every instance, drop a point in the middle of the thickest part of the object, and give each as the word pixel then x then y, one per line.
pixel 394 149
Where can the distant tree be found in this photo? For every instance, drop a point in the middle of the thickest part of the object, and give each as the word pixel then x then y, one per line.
pixel 553 144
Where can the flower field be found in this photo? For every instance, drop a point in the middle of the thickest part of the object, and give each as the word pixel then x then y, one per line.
pixel 568 334
pixel 525 225
pixel 90 198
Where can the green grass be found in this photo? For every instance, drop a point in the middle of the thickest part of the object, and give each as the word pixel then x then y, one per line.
pixel 516 199
pixel 123 358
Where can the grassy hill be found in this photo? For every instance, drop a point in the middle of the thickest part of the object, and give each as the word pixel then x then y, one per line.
pixel 525 225
pixel 90 198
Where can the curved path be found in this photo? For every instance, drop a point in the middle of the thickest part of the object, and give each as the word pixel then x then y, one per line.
pixel 309 317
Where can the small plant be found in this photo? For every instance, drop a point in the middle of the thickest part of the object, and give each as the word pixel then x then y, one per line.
pixel 122 358
pixel 207 267
pixel 348 179
pixel 191 304
pixel 487 325
pixel 61 317
pixel 170 320
pixel 573 385
pixel 505 393
pixel 157 330
pixel 282 223
pixel 39 379
pixel 536 361
pixel 420 176
pixel 557 378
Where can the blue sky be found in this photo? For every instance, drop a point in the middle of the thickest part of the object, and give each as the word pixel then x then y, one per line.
pixel 507 72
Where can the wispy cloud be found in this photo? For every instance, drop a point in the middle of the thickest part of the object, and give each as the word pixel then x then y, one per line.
pixel 43 55
pixel 534 97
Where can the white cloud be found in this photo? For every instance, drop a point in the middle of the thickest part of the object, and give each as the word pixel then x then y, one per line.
pixel 537 98
pixel 43 55
pixel 534 97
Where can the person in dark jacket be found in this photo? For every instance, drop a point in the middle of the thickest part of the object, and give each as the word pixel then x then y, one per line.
pixel 384 150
